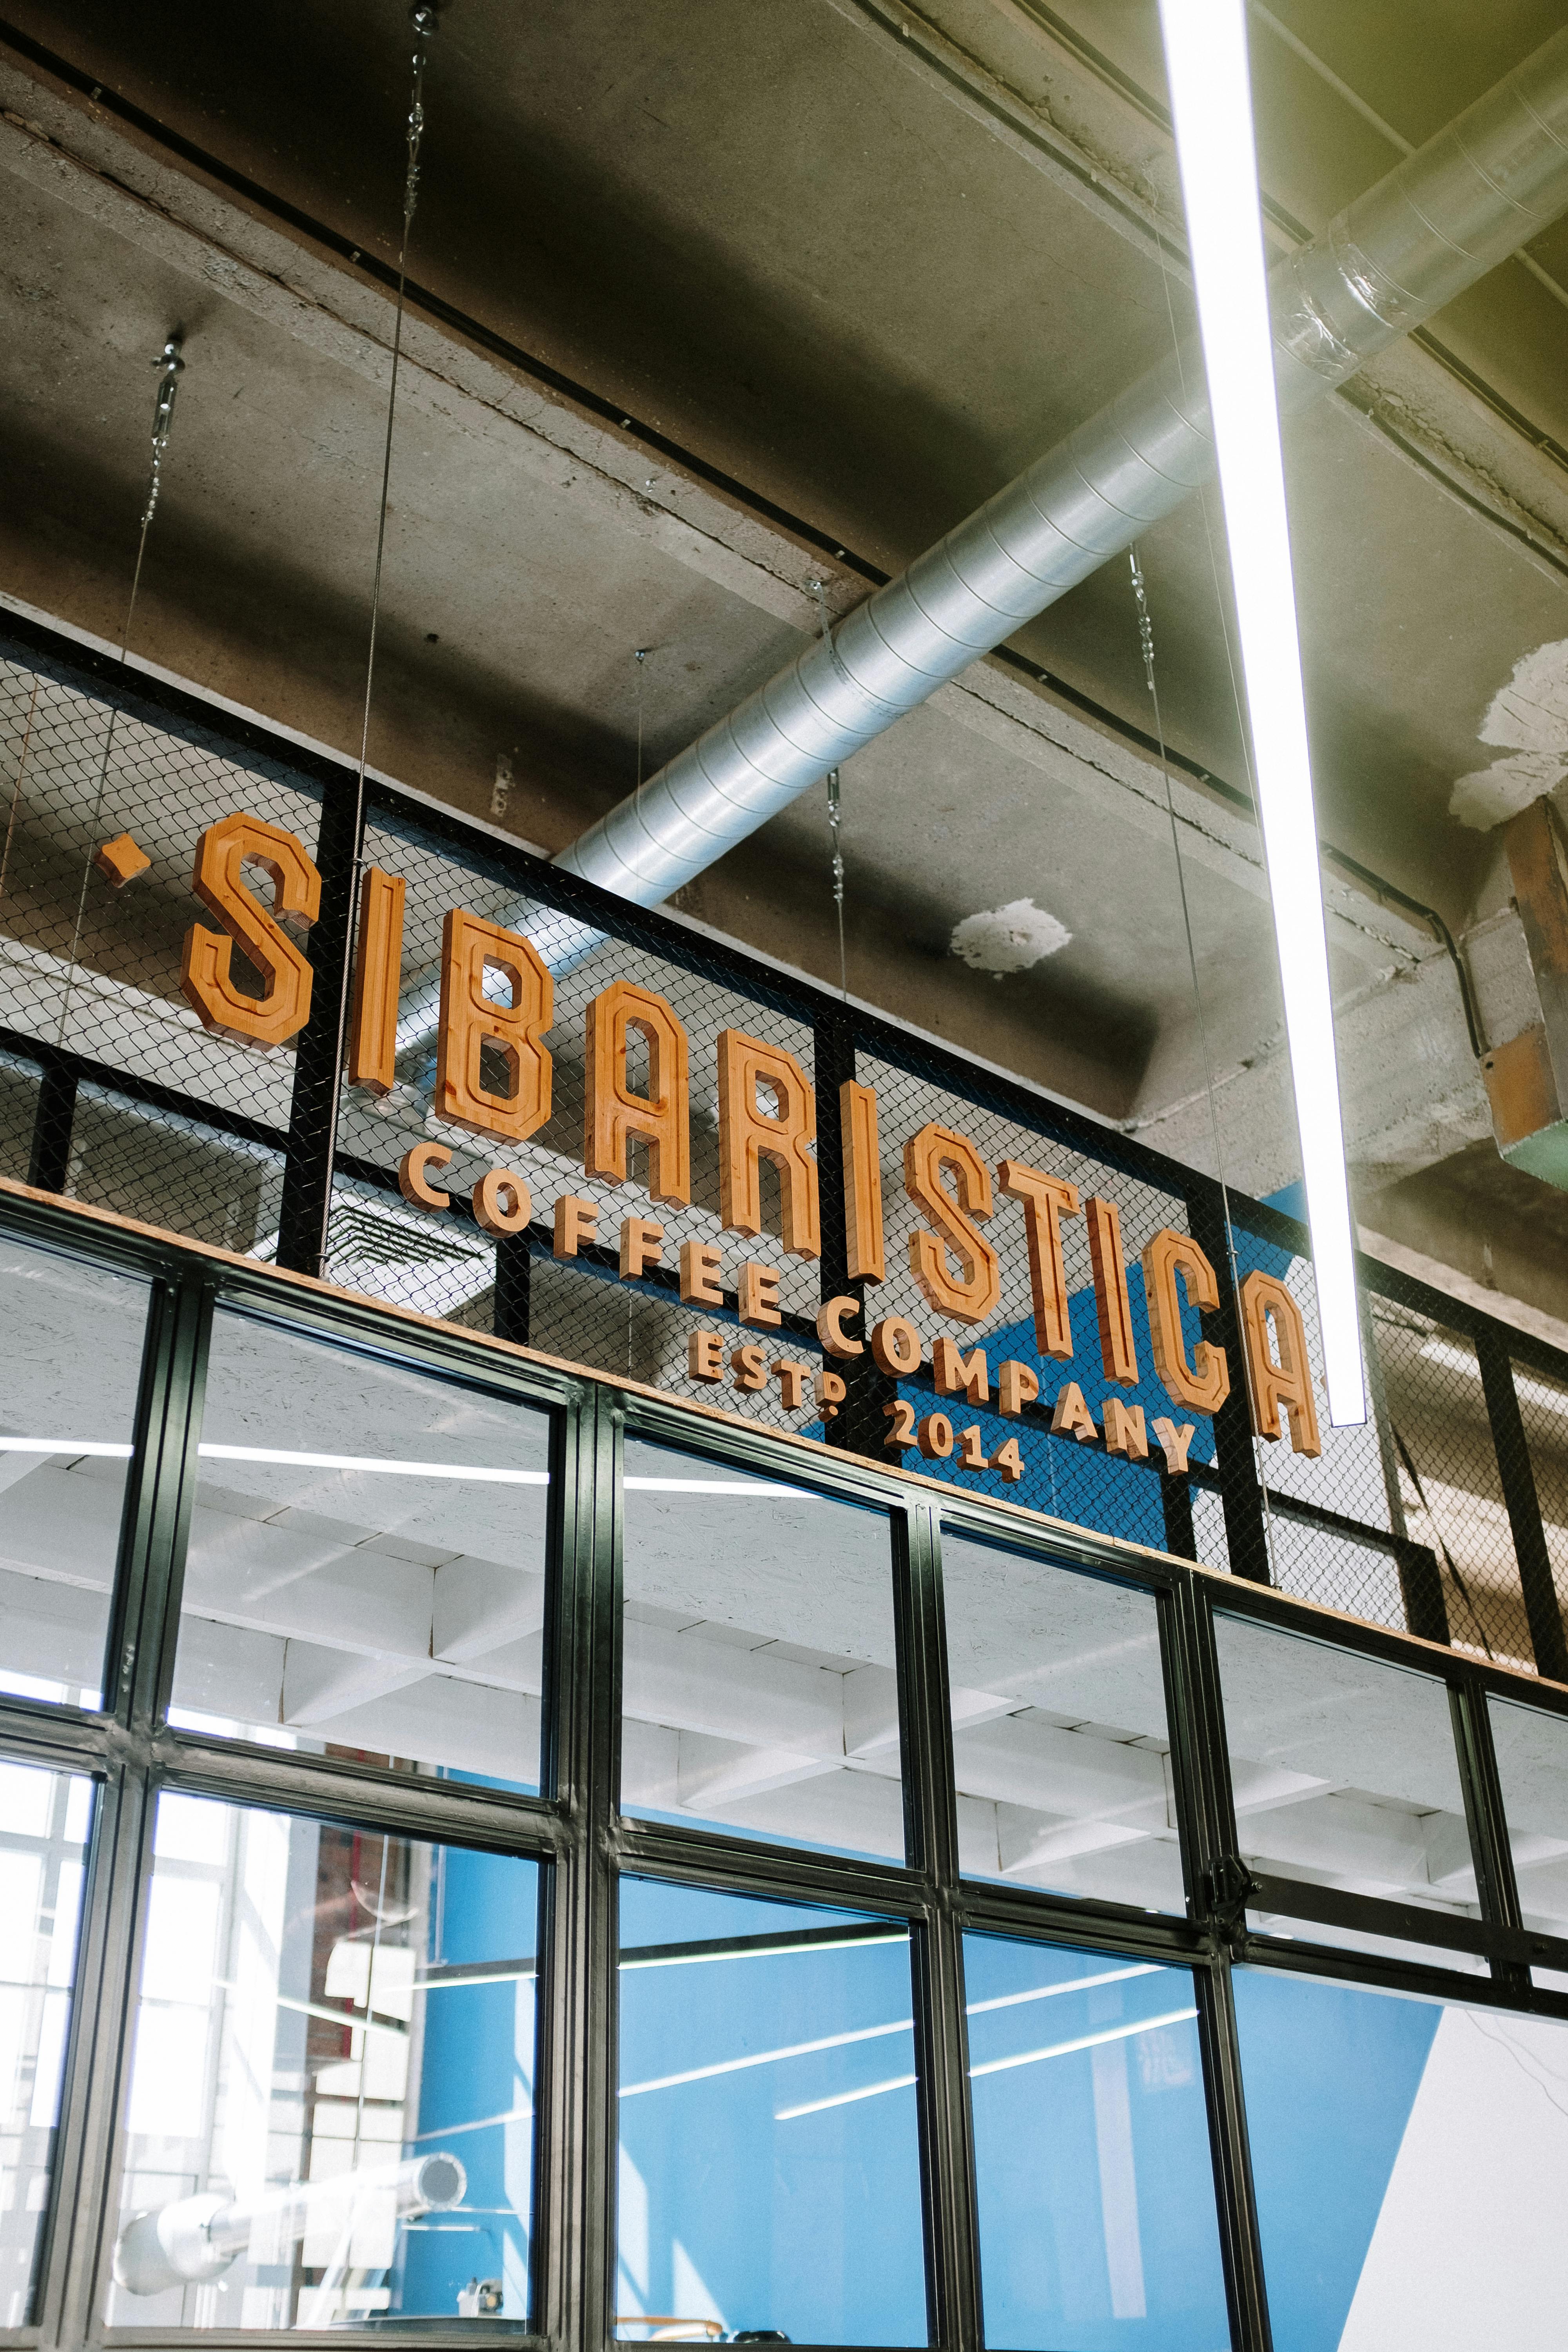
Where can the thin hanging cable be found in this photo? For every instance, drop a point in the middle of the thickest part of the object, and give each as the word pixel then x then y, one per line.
pixel 1245 740
pixel 170 367
pixel 641 659
pixel 1146 644
pixel 424 20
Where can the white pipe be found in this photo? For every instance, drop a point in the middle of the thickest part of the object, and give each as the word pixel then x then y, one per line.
pixel 197 2238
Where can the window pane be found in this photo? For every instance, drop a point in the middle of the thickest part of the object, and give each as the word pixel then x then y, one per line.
pixel 1346 1774
pixel 1097 2206
pixel 1533 1765
pixel 1411 2160
pixel 44 1818
pixel 68 1377
pixel 331 2113
pixel 367 1572
pixel 1058 1728
pixel 759 1686
pixel 769 2168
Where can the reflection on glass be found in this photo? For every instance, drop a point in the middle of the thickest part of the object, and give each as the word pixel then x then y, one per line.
pixel 1058 1728
pixel 44 1818
pixel 366 1571
pixel 331 2114
pixel 1097 2204
pixel 759 1687
pixel 1410 2162
pixel 1345 1775
pixel 1533 1765
pixel 68 1377
pixel 769 2170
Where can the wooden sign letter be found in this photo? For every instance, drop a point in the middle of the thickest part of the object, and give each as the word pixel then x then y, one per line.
pixel 207 979
pixel 952 1370
pixel 1203 1384
pixel 1046 1200
pixel 611 1112
pixel 862 1181
pixel 976 1294
pixel 747 1137
pixel 1289 1381
pixel 471 1017
pixel 378 967
pixel 1111 1304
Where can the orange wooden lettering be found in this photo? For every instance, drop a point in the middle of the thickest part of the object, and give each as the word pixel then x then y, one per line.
pixel 792 1378
pixel 830 1329
pixel 641 1247
pixel 378 968
pixel 953 1370
pixel 206 974
pixel 747 1136
pixel 1112 1305
pixel 751 1369
pixel 472 1018
pixel 862 1181
pixel 413 1180
pixel 896 1346
pixel 1284 1379
pixel 975 1295
pixel 502 1203
pixel 1016 1386
pixel 1202 1384
pixel 757 1294
pixel 1124 1429
pixel 705 1355
pixel 829 1391
pixel 699 1263
pixel 1046 1200
pixel 612 1113
pixel 576 1221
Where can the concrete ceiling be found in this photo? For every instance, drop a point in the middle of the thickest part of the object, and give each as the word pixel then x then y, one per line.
pixel 843 267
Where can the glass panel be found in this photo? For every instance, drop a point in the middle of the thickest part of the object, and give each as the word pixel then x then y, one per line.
pixel 42 1848
pixel 1345 1773
pixel 769 2162
pixel 1058 1728
pixel 330 2116
pixel 68 1379
pixel 367 1559
pixel 759 1687
pixel 1097 2205
pixel 1533 1765
pixel 1411 2161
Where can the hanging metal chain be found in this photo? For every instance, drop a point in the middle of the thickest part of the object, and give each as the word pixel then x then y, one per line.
pixel 834 817
pixel 835 807
pixel 172 368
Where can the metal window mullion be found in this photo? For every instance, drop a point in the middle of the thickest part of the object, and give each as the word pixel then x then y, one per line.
pixel 1206 1811
pixel 936 1938
pixel 100 2058
pixel 1241 1493
pixel 1487 1820
pixel 1523 1505
pixel 575 2244
pixel 159 1523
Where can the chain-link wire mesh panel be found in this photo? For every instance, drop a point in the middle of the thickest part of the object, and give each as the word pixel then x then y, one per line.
pixel 92 964
pixel 1451 1495
pixel 579 1307
pixel 19 1084
pixel 1075 1477
pixel 165 1169
pixel 1543 1411
pixel 1348 1476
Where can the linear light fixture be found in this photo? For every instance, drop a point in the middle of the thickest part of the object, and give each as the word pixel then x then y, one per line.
pixel 1205 64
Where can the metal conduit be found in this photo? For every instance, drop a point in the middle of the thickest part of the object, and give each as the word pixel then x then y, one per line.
pixel 1493 180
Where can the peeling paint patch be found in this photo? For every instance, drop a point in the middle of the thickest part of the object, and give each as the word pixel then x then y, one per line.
pixel 1490 796
pixel 1008 938
pixel 1528 719
pixel 1531 713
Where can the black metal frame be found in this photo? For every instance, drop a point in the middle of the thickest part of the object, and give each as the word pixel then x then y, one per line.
pixel 575 1830
pixel 310 1165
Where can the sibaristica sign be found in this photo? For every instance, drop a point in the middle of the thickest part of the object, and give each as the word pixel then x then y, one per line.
pixel 947 1181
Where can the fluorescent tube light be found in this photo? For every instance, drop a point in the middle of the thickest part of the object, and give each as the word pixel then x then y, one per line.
pixel 1206 62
